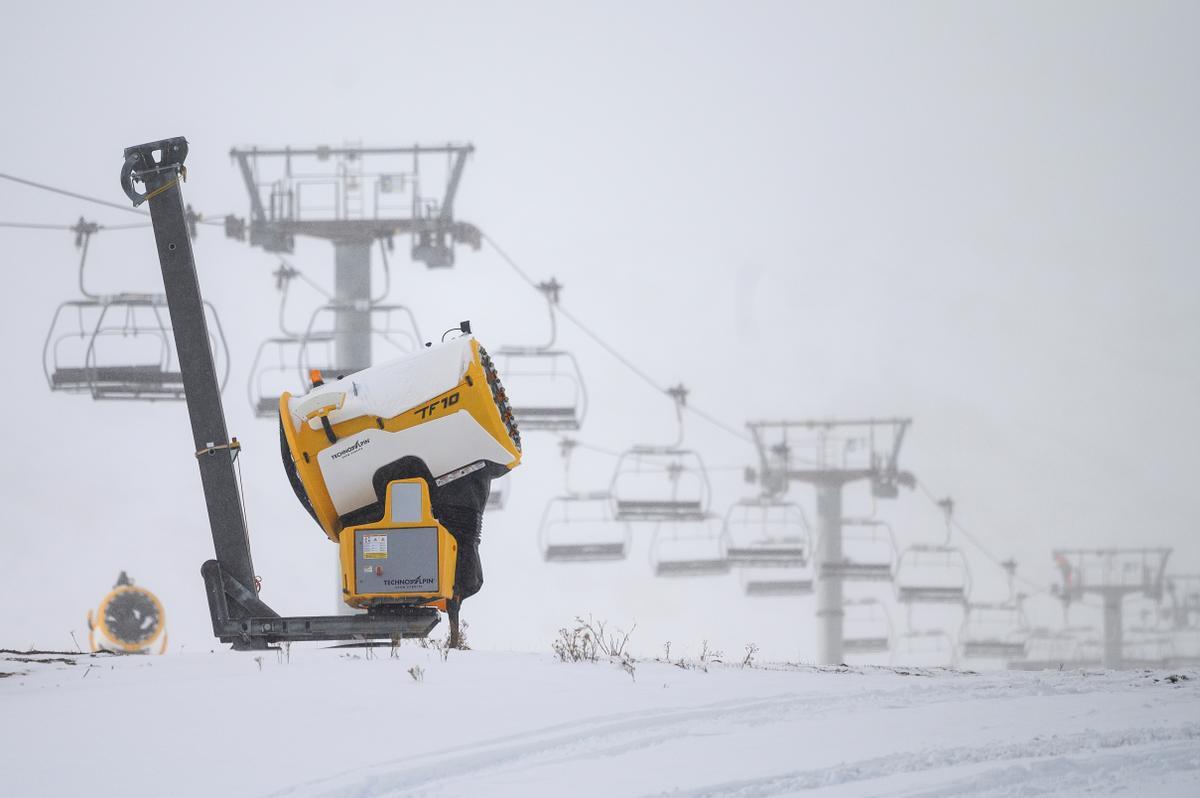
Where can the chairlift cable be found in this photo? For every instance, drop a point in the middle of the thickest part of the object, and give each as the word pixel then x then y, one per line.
pixel 132 226
pixel 40 226
pixel 86 198
pixel 305 278
pixel 65 193
pixel 998 562
pixel 36 226
pixel 609 348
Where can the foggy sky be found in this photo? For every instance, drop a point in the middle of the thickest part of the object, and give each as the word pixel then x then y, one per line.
pixel 979 215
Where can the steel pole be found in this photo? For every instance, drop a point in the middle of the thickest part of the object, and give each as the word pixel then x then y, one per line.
pixel 352 294
pixel 202 391
pixel 1112 628
pixel 829 576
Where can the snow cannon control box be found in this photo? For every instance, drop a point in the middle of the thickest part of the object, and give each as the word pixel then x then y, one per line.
pixel 405 557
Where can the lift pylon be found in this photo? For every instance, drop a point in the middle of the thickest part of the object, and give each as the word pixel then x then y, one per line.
pixel 842 452
pixel 1112 574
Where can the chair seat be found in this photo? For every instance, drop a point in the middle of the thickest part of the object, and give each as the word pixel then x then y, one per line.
pixel 779 587
pixel 858 572
pixel 117 382
pixel 691 567
pixel 993 649
pixel 584 552
pixel 658 510
pixel 865 645
pixel 267 407
pixel 781 555
pixel 929 594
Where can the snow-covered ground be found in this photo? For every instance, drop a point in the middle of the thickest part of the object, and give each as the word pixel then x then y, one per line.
pixel 335 722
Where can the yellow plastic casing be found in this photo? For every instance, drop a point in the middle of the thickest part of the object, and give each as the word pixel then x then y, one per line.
pixel 474 397
pixel 98 621
pixel 447 556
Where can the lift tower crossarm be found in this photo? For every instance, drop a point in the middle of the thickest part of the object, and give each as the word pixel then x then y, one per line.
pixel 258 213
pixel 465 149
pixel 238 615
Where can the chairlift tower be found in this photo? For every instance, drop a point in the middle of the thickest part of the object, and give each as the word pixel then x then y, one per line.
pixel 1184 591
pixel 1112 574
pixel 844 451
pixel 354 196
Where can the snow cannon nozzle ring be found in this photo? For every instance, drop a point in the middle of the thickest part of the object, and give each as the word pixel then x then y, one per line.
pixel 141 164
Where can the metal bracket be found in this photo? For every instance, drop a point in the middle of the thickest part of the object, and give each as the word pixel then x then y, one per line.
pixel 254 626
pixel 234 446
pixel 140 163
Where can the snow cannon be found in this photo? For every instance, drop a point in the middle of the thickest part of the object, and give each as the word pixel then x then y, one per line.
pixel 129 620
pixel 439 418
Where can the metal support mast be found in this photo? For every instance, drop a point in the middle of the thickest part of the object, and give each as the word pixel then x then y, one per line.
pixel 828 582
pixel 352 293
pixel 844 451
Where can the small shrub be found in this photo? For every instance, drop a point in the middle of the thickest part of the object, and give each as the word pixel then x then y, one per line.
pixel 589 640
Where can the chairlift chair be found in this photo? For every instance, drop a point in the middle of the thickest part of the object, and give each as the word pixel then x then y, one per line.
pixel 933 573
pixel 393 325
pixel 867 627
pixel 1052 649
pixel 994 630
pixel 930 573
pixel 660 484
pixel 579 527
pixel 121 346
pixel 924 648
pixel 689 548
pixel 546 382
pixel 278 367
pixel 868 552
pixel 765 531
pixel 1147 648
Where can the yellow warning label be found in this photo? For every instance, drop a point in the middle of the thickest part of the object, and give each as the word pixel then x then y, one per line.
pixel 374 547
